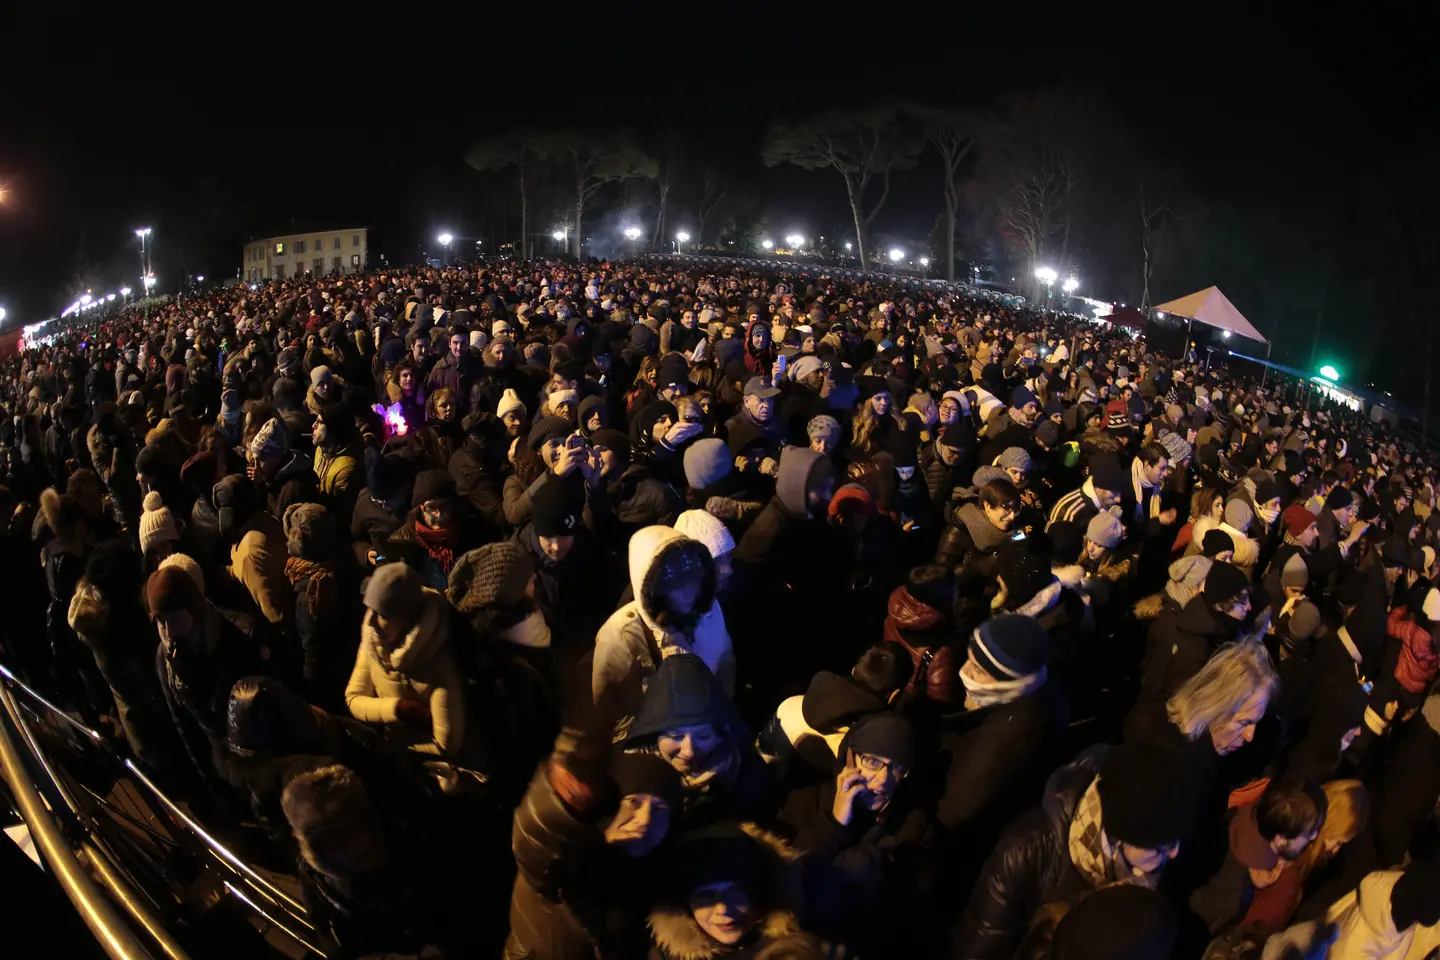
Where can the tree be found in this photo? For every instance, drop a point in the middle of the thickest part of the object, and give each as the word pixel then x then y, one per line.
pixel 1152 216
pixel 952 134
pixel 863 145
pixel 713 188
pixel 521 149
pixel 1029 206
pixel 597 160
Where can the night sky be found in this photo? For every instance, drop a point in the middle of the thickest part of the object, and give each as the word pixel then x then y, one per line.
pixel 214 138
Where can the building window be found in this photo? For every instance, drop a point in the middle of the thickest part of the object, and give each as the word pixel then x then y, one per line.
pixel 319 266
pixel 280 270
pixel 299 246
pixel 337 242
pixel 280 248
pixel 354 259
pixel 319 244
pixel 355 240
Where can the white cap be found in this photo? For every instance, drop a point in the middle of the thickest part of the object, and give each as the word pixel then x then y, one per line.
pixel 706 528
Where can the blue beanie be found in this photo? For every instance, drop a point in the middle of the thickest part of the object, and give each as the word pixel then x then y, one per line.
pixel 1010 646
pixel 1023 397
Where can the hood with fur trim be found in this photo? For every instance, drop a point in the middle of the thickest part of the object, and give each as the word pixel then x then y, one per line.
pixel 679 937
pixel 650 550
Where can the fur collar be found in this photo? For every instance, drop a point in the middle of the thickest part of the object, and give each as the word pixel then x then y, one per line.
pixel 679 937
pixel 1042 601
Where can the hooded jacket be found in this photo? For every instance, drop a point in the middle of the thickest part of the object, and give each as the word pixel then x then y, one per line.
pixel 789 506
pixel 257 561
pixel 631 644
pixel 1178 647
pixel 421 668
pixel 810 727
pixel 1366 929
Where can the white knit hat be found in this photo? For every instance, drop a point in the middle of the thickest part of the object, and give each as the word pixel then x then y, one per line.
pixel 510 400
pixel 186 563
pixel 699 525
pixel 1431 607
pixel 156 523
pixel 478 339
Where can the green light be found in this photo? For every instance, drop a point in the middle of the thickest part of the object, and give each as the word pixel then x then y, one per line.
pixel 1329 372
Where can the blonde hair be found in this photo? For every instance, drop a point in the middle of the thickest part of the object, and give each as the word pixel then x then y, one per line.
pixel 1235 673
pixel 867 425
pixel 1347 810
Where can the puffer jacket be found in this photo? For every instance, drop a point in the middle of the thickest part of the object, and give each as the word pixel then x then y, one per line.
pixel 1365 928
pixel 1030 866
pixel 1178 647
pixel 969 543
pixel 630 645
pixel 810 727
pixel 922 630
pixel 340 481
pixel 421 669
pixel 1418 661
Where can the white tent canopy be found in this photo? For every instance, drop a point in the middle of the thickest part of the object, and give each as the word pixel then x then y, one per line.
pixel 1210 307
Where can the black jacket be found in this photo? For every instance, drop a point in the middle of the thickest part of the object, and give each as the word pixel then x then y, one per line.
pixel 1030 867
pixel 1178 647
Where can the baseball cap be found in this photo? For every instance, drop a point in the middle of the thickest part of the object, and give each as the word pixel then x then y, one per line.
pixel 760 387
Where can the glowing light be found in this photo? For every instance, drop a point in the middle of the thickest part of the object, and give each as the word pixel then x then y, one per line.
pixel 445 239
pixel 1329 372
pixel 683 237
pixel 558 235
pixel 1225 334
pixel 84 298
pixel 1071 284
pixel 2 314
pixel 767 243
pixel 143 232
pixel 847 244
pixel 924 261
pixel 1159 314
pixel 795 240
pixel 896 255
pixel 124 291
pixel 1046 275
pixel 200 278
pixel 394 419
pixel 632 232
pixel 109 296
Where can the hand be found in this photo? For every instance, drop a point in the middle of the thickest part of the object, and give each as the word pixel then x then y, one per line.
pixel 770 467
pixel 1167 517
pixel 412 713
pixel 681 432
pixel 570 459
pixel 849 786
pixel 590 468
pixel 1358 531
pixel 371 556
pixel 742 464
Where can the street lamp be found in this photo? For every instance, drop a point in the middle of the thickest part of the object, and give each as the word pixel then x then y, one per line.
pixel 1046 275
pixel 847 246
pixel 681 238
pixel 557 234
pixel 445 239
pixel 1327 371
pixel 124 291
pixel 766 243
pixel 794 240
pixel 2 309
pixel 200 278
pixel 633 233
pixel 924 261
pixel 109 297
pixel 896 254
pixel 85 298
pixel 1071 284
pixel 144 234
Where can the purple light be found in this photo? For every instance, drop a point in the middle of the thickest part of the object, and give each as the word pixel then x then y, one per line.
pixel 394 419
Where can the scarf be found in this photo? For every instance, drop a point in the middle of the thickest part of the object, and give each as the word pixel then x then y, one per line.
pixel 985 535
pixel 532 632
pixel 1137 482
pixel 439 544
pixel 319 581
pixel 979 695
pixel 1094 856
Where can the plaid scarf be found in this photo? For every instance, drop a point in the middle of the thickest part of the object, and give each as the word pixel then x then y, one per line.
pixel 1092 853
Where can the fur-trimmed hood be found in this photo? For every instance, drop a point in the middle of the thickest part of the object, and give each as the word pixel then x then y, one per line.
pixel 675 932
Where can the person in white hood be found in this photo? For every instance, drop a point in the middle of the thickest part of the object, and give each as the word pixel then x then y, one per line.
pixel 674 611
pixel 1392 915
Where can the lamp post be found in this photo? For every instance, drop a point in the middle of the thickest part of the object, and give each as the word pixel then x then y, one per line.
pixel 767 243
pixel 144 234
pixel 896 254
pixel 794 241
pixel 1047 276
pixel 681 239
pixel 445 239
pixel 633 235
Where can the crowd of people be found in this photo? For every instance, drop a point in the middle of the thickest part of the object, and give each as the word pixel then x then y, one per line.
pixel 637 609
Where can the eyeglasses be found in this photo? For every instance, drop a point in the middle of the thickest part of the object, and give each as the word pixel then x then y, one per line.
pixel 870 765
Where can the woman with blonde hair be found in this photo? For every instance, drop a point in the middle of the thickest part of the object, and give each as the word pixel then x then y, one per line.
pixel 875 419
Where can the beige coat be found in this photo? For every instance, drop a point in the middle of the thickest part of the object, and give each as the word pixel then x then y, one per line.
pixel 422 669
pixel 257 561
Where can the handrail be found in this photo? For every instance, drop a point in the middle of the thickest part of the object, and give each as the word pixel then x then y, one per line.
pixel 113 934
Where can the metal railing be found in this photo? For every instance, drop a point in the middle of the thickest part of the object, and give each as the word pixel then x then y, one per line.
pixel 264 899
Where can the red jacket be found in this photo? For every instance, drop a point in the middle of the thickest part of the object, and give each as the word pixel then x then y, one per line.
pixel 1418 660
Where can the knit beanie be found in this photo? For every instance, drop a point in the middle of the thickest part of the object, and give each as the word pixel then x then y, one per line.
pixel 1107 474
pixel 1047 434
pixel 1014 458
pixel 645 773
pixel 546 429
pixel 707 462
pixel 706 528
pixel 1305 620
pixel 309 531
pixel 1369 510
pixel 1216 542
pixel 1239 515
pixel 886 735
pixel 1224 583
pixel 1295 572
pixel 984 475
pixel 319 375
pixel 1105 530
pixel 1121 922
pixel 493 575
pixel 171 588
pixel 555 508
pixel 1177 448
pixel 824 427
pixel 1415 898
pixel 270 443
pixel 1267 489
pixel 510 400
pixel 1010 646
pixel 1146 799
pixel 432 485
pixel 1023 396
pixel 1339 498
pixel 186 563
pixel 1297 519
pixel 723 853
pixel 156 523
pixel 394 591
pixel 612 440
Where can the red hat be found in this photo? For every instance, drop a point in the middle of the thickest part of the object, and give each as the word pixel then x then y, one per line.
pixel 850 499
pixel 1297 519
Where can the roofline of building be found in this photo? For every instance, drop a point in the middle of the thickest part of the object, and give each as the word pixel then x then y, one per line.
pixel 305 231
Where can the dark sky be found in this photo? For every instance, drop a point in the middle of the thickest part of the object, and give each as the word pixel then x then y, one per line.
pixel 229 131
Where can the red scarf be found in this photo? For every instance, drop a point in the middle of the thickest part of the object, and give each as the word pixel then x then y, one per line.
pixel 440 544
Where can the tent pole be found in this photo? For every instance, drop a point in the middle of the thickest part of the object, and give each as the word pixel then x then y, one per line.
pixel 1185 347
pixel 1266 371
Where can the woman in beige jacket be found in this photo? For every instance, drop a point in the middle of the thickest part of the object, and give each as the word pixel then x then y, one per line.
pixel 405 673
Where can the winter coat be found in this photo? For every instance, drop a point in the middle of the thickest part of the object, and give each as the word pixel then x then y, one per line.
pixel 630 645
pixel 1029 867
pixel 1366 930
pixel 421 669
pixel 1178 647
pixel 1247 550
pixel 676 936
pixel 969 543
pixel 257 562
pixel 372 523
pixel 477 482
pixel 340 481
pixel 1418 661
pixel 295 482
pixel 805 733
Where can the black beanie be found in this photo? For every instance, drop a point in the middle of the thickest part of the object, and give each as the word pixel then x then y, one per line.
pixel 556 507
pixel 612 440
pixel 645 773
pixel 723 853
pixel 1339 498
pixel 1121 922
pixel 1146 799
pixel 1224 582
pixel 1415 898
pixel 1216 542
pixel 886 735
pixel 1369 510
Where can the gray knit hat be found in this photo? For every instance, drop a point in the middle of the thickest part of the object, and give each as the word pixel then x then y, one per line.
pixel 1105 529
pixel 1239 515
pixel 489 576
pixel 270 442
pixel 395 591
pixel 823 426
pixel 707 462
pixel 1176 446
pixel 1014 458
pixel 309 531
pixel 1295 573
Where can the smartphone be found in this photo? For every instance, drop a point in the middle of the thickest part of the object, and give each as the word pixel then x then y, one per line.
pixel 1018 535
pixel 780 362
